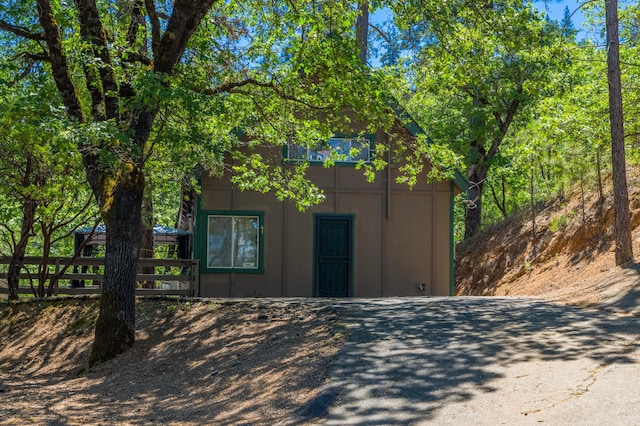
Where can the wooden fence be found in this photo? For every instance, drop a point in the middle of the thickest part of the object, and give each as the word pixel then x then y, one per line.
pixel 85 275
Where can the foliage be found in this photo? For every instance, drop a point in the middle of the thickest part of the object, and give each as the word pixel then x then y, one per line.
pixel 41 181
pixel 126 98
pixel 166 87
pixel 475 71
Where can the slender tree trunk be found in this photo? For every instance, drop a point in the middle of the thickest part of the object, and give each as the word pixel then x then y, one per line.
pixel 583 201
pixel 44 266
pixel 622 225
pixel 504 196
pixel 17 258
pixel 500 202
pixel 473 216
pixel 362 29
pixel 532 189
pixel 115 327
pixel 599 178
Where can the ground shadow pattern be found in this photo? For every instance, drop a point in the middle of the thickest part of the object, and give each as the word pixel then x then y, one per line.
pixel 405 360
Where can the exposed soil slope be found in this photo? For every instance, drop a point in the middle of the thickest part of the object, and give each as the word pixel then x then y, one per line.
pixel 192 363
pixel 569 257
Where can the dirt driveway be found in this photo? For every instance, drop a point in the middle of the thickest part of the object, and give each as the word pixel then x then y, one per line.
pixel 481 361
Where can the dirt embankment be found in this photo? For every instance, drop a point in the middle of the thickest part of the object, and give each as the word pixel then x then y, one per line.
pixel 193 363
pixel 567 257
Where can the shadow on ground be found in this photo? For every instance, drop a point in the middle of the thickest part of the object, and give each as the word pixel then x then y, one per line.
pixel 192 363
pixel 622 293
pixel 405 360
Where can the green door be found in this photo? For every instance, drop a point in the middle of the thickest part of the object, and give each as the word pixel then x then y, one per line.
pixel 333 251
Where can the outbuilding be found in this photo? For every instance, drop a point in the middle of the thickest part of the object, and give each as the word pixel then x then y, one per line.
pixel 365 240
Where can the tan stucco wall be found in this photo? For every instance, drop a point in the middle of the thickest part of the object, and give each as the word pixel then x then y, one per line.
pixel 401 236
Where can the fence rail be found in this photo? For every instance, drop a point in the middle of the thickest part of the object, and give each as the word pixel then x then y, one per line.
pixel 185 283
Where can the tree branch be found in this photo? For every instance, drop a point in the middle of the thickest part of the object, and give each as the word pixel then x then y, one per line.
pixel 155 25
pixel 59 66
pixel 20 31
pixel 30 59
pixel 92 30
pixel 185 19
pixel 137 19
pixel 70 220
pixel 137 57
pixel 34 57
pixel 384 35
pixel 235 87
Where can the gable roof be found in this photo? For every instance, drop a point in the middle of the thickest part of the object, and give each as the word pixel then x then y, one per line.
pixel 415 129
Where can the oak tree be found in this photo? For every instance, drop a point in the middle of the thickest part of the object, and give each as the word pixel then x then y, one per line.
pixel 478 67
pixel 185 78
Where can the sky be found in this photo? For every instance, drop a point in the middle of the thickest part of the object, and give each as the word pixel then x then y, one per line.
pixel 555 9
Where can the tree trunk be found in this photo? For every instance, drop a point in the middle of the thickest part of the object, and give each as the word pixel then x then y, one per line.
pixel 532 193
pixel 17 258
pixel 44 265
pixel 115 328
pixel 599 179
pixel 119 197
pixel 501 202
pixel 480 159
pixel 622 225
pixel 583 202
pixel 362 30
pixel 473 217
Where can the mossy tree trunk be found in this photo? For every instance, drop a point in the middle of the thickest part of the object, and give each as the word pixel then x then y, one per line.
pixel 119 188
pixel 115 328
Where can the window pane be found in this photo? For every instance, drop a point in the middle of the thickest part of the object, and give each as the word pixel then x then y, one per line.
pixel 340 148
pixel 344 150
pixel 245 238
pixel 219 250
pixel 360 150
pixel 297 152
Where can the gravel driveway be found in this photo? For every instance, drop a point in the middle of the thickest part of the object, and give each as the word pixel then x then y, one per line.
pixel 481 361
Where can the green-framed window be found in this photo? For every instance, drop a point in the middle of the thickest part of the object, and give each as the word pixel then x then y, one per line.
pixel 234 241
pixel 338 149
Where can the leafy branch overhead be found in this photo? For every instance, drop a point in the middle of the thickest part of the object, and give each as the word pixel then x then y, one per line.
pixel 141 82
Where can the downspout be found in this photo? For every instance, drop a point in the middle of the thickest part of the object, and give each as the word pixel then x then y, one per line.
pixel 385 241
pixel 232 275
pixel 197 245
pixel 452 251
pixel 284 266
pixel 388 184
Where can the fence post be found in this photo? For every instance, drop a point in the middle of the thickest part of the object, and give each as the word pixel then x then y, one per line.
pixel 195 277
pixel 55 287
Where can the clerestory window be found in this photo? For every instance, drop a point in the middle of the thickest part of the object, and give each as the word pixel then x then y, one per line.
pixel 340 150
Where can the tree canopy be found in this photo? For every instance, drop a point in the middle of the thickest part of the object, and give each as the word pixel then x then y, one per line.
pixel 177 83
pixel 117 101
